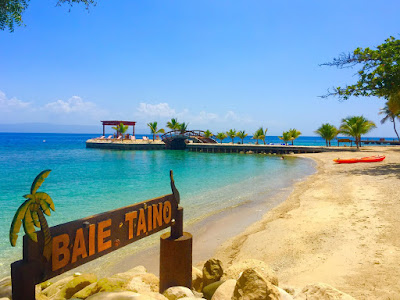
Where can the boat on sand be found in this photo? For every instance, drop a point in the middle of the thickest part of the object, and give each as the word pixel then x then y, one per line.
pixel 357 160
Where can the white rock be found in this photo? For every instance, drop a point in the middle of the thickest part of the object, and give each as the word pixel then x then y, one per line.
pixel 284 295
pixel 197 279
pixel 177 292
pixel 322 291
pixel 225 290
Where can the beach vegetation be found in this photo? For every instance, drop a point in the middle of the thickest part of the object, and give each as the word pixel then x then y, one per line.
pixel 208 133
pixel 221 136
pixel 260 134
pixel 31 214
pixel 11 11
pixel 121 129
pixel 294 133
pixel 379 74
pixel 154 130
pixel 356 126
pixel 328 132
pixel 241 135
pixel 173 124
pixel 286 137
pixel 183 127
pixel 232 134
pixel 390 113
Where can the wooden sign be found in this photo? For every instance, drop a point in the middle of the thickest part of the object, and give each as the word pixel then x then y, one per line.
pixel 72 244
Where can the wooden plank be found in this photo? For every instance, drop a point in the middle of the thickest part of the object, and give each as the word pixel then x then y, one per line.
pixel 80 241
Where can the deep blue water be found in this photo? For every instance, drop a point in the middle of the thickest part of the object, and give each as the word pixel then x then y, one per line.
pixel 84 181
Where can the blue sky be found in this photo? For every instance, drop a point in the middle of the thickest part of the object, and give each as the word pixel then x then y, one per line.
pixel 215 64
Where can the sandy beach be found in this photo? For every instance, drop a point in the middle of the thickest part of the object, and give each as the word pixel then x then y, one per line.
pixel 340 226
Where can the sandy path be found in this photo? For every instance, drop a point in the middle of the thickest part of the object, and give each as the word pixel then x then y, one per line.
pixel 341 226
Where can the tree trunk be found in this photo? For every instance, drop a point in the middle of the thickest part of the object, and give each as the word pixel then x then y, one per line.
pixel 326 142
pixel 47 237
pixel 394 126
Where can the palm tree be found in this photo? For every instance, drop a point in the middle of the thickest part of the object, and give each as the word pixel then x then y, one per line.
pixel 241 135
pixel 286 137
pixel 183 127
pixel 154 130
pixel 356 126
pixel 232 134
pixel 260 135
pixel 30 214
pixel 328 132
pixel 173 124
pixel 207 133
pixel 294 133
pixel 221 136
pixel 121 129
pixel 390 114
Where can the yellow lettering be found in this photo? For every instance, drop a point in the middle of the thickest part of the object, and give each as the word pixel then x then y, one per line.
pixel 79 246
pixel 167 212
pixel 141 222
pixel 130 217
pixel 157 215
pixel 60 252
pixel 92 236
pixel 102 234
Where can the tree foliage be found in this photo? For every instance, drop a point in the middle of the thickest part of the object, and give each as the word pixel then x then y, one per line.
pixel 356 126
pixel 208 133
pixel 328 132
pixel 241 135
pixel 390 113
pixel 379 74
pixel 232 134
pixel 260 134
pixel 11 11
pixel 294 133
pixel 154 130
pixel 221 136
pixel 173 124
pixel 286 137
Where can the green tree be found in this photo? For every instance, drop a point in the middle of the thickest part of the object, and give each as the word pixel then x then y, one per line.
pixel 286 137
pixel 356 126
pixel 232 134
pixel 208 133
pixel 260 135
pixel 294 133
pixel 379 74
pixel 241 135
pixel 30 215
pixel 221 136
pixel 328 132
pixel 389 114
pixel 173 124
pixel 11 11
pixel 154 130
pixel 183 127
pixel 121 129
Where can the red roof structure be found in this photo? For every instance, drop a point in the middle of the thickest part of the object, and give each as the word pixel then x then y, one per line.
pixel 116 123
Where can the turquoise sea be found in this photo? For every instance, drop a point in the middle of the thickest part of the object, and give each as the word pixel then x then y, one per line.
pixel 84 181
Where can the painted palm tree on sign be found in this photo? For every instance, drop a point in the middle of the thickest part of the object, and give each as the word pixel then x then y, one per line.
pixel 221 136
pixel 154 130
pixel 294 133
pixel 286 137
pixel 328 132
pixel 356 126
pixel 390 113
pixel 232 134
pixel 173 124
pixel 241 135
pixel 30 215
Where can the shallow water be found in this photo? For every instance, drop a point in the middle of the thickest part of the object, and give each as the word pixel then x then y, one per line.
pixel 84 181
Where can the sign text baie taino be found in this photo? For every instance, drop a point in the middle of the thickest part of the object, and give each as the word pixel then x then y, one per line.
pixel 53 251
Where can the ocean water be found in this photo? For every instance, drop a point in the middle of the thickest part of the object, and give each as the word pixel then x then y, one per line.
pixel 84 181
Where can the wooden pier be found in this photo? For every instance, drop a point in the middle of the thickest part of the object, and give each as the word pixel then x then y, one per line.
pixel 267 149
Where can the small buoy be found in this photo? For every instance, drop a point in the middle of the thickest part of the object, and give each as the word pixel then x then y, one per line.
pixel 44 141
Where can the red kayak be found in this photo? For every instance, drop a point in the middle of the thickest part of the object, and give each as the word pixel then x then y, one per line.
pixel 363 159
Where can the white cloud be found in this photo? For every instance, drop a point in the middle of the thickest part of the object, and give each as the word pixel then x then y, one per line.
pixel 156 110
pixel 12 104
pixel 75 104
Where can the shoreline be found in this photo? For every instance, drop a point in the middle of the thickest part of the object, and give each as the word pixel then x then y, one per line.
pixel 339 226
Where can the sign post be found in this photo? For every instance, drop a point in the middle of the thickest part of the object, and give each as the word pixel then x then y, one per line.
pixel 78 242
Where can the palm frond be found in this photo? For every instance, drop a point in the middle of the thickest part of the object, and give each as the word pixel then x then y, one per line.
pixel 29 226
pixel 39 180
pixel 17 221
pixel 45 197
